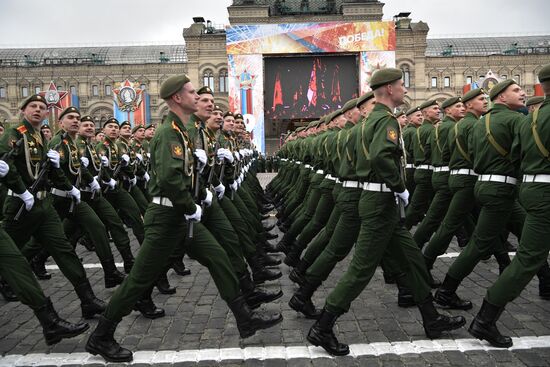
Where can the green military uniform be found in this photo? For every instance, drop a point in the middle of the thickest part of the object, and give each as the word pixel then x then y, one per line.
pixel 462 180
pixel 423 191
pixel 119 198
pixel 440 177
pixel 409 134
pixel 142 166
pixel 133 170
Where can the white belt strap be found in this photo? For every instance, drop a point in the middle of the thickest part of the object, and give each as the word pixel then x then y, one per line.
pixel 377 187
pixel 162 201
pixel 441 169
pixel 409 165
pixel 61 193
pixel 39 195
pixel 352 184
pixel 425 166
pixel 319 172
pixel 540 178
pixel 498 178
pixel 463 171
pixel 307 166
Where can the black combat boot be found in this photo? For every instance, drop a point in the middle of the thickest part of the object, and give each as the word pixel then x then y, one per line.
pixel 260 273
pixel 89 303
pixel 248 322
pixel 321 334
pixel 54 327
pixel 87 243
pixel 264 258
pixel 297 275
pixel 7 292
pixel 38 265
pixel 435 323
pixel 484 326
pixel 179 267
pixel 163 285
pixel 269 227
pixel 113 277
pixel 434 283
pixel 102 342
pixel 446 296
pixel 255 296
pixel 301 301
pixel 405 296
pixel 127 258
pixel 544 281
pixel 503 260
pixel 148 309
pixel 293 256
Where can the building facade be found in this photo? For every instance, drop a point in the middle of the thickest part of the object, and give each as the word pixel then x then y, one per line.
pixel 433 68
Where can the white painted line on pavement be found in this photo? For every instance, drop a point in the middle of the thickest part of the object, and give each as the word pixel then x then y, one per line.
pixel 120 265
pixel 274 352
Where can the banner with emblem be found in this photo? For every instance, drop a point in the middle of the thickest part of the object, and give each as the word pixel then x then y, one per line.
pixel 131 103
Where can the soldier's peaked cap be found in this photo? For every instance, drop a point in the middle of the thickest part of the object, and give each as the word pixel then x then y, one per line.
pixel 173 85
pixel 111 120
pixel 450 101
pixel 472 94
pixel 499 88
pixel 544 73
pixel 68 110
pixel 428 103
pixel 349 105
pixel 385 76
pixel 33 98
pixel 364 98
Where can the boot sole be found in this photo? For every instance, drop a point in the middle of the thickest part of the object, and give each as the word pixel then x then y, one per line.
pixel 261 281
pixel 479 336
pixel 260 327
pixel 95 352
pixel 58 338
pixel 449 307
pixel 435 334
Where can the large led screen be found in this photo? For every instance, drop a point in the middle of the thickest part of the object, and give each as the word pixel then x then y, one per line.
pixel 308 87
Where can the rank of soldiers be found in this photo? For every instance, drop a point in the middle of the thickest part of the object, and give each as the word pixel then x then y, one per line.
pixel 361 176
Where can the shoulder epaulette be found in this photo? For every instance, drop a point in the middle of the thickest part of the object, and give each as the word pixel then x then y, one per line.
pixel 22 129
pixel 106 143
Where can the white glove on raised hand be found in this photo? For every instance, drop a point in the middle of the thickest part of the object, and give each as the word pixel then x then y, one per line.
pixel 220 191
pixel 200 154
pixel 234 186
pixel 148 155
pixel 27 198
pixel 238 156
pixel 196 216
pixel 403 196
pixel 53 156
pixel 139 157
pixel 4 168
pixel 85 161
pixel 75 193
pixel 146 177
pixel 94 185
pixel 111 183
pixel 104 161
pixel 208 199
pixel 125 158
pixel 133 181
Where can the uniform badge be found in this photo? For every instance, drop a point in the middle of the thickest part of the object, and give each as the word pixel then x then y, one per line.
pixel 392 135
pixel 177 151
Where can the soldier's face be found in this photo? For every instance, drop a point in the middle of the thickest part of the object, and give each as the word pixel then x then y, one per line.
pixel 456 111
pixel 355 114
pixel 416 118
pixel 100 136
pixel 402 120
pixel 513 97
pixel 397 92
pixel 47 133
pixel 478 105
pixel 239 126
pixel 35 112
pixel 215 121
pixel 149 132
pixel 432 112
pixel 126 131
pixel 228 123
pixel 111 130
pixel 366 108
pixel 140 134
pixel 87 129
pixel 187 99
pixel 70 123
pixel 205 106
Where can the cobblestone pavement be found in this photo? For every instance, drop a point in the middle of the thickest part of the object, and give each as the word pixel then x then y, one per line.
pixel 199 327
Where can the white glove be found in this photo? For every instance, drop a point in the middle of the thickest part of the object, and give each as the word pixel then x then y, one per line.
pixel 139 157
pixel 208 199
pixel 111 183
pixel 104 161
pixel 75 193
pixel 126 158
pixel 234 186
pixel 4 169
pixel 403 196
pixel 27 198
pixel 53 156
pixel 238 156
pixel 238 181
pixel 220 190
pixel 148 155
pixel 94 185
pixel 146 177
pixel 242 152
pixel 133 181
pixel 201 157
pixel 196 216
pixel 85 162
pixel 241 177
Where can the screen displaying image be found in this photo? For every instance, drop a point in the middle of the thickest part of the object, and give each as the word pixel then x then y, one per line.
pixel 308 87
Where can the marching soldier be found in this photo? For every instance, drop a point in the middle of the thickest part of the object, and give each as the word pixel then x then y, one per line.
pixel 27 210
pixel 415 118
pixel 141 147
pixel 533 103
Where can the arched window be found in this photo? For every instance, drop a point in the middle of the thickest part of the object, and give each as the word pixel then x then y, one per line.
pixel 406 76
pixel 224 81
pixel 208 79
